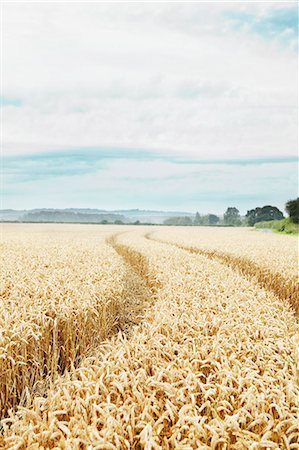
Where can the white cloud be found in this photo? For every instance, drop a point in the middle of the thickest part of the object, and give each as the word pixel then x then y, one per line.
pixel 172 77
pixel 186 80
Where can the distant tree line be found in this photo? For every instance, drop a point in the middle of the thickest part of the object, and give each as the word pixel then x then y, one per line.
pixel 232 216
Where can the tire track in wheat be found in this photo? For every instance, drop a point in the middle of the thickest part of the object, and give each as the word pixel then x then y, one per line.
pixel 283 288
pixel 137 262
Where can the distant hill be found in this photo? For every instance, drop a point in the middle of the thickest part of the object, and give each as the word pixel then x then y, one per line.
pixel 89 215
pixel 10 214
pixel 70 217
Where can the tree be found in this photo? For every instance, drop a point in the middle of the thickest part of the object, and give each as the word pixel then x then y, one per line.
pixel 264 214
pixel 186 220
pixel 178 220
pixel 212 219
pixel 232 216
pixel 292 208
pixel 197 219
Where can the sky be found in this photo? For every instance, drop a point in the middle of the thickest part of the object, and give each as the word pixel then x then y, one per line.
pixel 167 106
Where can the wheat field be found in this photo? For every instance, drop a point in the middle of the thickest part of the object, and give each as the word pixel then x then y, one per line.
pixel 126 337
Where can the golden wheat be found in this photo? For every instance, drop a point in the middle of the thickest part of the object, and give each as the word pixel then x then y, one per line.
pixel 213 365
pixel 61 293
pixel 271 259
pixel 276 252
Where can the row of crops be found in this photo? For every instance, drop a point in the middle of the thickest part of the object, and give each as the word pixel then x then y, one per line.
pixel 123 338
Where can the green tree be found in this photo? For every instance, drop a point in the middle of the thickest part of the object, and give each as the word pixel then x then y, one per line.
pixel 264 214
pixel 212 219
pixel 197 219
pixel 292 208
pixel 186 220
pixel 177 220
pixel 204 220
pixel 232 216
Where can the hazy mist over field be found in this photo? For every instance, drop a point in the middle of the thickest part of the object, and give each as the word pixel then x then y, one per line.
pixel 182 106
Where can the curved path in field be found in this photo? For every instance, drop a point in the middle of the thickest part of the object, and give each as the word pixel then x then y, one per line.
pixel 139 288
pixel 135 260
pixel 282 287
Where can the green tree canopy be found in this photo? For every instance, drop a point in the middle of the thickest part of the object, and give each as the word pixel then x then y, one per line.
pixel 264 214
pixel 184 220
pixel 208 219
pixel 232 216
pixel 212 219
pixel 292 208
pixel 197 219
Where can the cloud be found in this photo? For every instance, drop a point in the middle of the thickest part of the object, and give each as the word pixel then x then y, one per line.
pixel 103 179
pixel 192 97
pixel 160 76
pixel 139 163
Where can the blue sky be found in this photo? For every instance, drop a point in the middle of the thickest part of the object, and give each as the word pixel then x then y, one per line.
pixel 280 24
pixel 185 106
